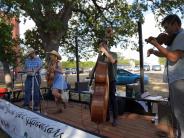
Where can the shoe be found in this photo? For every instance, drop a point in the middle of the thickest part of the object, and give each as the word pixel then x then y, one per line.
pixel 62 102
pixel 58 111
pixel 161 134
pixel 64 105
pixel 36 109
pixel 26 107
pixel 107 119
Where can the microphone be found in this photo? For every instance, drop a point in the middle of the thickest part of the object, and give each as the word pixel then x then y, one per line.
pixel 21 72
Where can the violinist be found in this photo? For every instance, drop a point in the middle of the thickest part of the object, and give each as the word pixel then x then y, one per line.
pixel 174 69
pixel 55 79
pixel 111 59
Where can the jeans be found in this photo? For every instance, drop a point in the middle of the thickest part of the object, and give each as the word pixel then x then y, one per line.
pixel 112 100
pixel 177 103
pixel 36 92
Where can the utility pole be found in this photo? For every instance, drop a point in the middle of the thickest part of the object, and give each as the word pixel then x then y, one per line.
pixel 139 23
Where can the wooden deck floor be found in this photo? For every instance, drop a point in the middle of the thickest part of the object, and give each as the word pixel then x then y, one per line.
pixel 130 125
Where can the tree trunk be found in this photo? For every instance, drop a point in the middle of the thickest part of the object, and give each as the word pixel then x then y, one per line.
pixel 50 44
pixel 7 74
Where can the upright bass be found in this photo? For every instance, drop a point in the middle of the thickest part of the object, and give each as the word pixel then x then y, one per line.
pixel 100 97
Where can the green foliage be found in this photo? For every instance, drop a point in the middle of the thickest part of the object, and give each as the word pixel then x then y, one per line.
pixel 72 64
pixel 162 61
pixel 63 23
pixel 163 7
pixel 33 40
pixel 137 62
pixel 123 61
pixel 87 64
pixel 6 42
pixel 59 22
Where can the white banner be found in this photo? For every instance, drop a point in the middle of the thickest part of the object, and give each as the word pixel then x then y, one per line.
pixel 22 123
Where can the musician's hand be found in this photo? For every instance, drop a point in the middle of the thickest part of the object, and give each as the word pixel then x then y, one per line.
pixel 102 49
pixel 34 72
pixel 149 52
pixel 109 32
pixel 152 40
pixel 30 72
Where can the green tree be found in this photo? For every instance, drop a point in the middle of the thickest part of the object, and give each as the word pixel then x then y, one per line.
pixel 72 64
pixel 68 64
pixel 162 61
pixel 59 22
pixel 7 44
pixel 123 61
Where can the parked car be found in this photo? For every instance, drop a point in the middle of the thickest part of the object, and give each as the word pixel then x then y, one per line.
pixel 136 68
pixel 125 77
pixel 68 71
pixel 73 70
pixel 147 67
pixel 124 66
pixel 156 67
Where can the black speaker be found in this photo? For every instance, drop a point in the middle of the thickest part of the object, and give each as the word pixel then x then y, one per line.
pixel 121 105
pixel 83 86
pixel 133 106
pixel 128 105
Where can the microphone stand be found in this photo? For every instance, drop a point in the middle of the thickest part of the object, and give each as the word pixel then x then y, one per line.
pixel 21 73
pixel 32 88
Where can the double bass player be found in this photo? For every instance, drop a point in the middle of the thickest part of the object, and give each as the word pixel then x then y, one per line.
pixel 111 59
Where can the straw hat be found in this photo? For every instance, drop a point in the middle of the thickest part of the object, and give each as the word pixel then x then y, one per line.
pixel 30 51
pixel 55 53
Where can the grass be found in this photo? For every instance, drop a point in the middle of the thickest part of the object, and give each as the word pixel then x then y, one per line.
pixel 155 86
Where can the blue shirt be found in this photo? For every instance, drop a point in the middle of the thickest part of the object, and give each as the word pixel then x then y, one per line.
pixel 31 64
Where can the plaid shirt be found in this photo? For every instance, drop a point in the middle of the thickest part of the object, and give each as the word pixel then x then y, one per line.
pixel 31 64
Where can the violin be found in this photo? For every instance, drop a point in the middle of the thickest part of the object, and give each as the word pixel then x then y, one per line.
pixel 50 72
pixel 162 38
